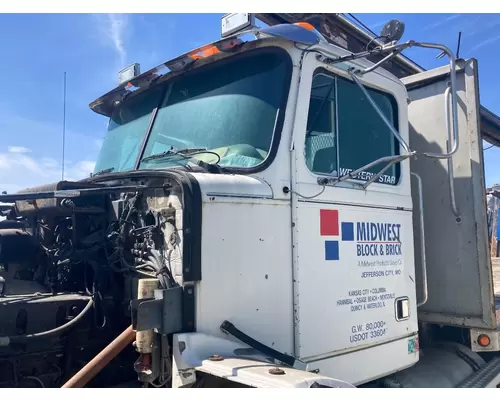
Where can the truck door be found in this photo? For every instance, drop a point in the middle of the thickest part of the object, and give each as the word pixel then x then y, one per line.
pixel 354 260
pixel 459 273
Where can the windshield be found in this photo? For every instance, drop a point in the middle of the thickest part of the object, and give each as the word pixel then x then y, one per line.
pixel 230 108
pixel 126 129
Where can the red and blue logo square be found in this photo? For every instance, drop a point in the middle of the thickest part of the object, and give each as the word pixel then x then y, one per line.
pixel 331 227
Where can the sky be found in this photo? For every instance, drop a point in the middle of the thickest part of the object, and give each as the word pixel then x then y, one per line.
pixel 37 49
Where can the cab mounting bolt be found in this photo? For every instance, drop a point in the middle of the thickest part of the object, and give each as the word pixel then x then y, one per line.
pixel 276 371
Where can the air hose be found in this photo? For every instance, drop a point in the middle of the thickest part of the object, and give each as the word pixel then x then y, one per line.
pixel 8 340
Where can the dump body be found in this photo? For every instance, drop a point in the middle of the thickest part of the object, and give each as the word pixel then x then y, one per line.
pixel 458 264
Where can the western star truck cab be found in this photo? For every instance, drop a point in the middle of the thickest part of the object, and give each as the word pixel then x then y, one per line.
pixel 272 201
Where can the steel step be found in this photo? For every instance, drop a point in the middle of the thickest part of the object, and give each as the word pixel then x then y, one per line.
pixel 488 376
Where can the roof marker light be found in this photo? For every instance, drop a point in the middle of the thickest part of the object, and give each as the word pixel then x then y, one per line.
pixel 128 73
pixel 304 34
pixel 236 22
pixel 305 25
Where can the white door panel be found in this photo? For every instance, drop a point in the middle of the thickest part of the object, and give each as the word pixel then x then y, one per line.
pixel 354 264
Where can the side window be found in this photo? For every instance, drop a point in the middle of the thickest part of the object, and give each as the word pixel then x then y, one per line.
pixel 321 140
pixel 363 136
pixel 345 133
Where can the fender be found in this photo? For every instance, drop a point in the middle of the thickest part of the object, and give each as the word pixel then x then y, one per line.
pixel 233 361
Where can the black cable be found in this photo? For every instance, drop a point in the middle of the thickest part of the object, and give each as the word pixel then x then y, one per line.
pixel 307 50
pixel 7 340
pixel 34 378
pixel 487 148
pixel 376 36
pixel 363 25
pixel 165 283
pixel 229 328
pixel 163 268
pixel 372 40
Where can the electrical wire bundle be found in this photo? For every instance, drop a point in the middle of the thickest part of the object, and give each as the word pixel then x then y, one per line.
pixel 134 246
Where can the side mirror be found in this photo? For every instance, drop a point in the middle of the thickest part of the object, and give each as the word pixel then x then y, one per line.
pixel 392 31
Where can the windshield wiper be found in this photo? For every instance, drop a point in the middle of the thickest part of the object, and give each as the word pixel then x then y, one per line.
pixel 168 153
pixel 187 154
pixel 103 171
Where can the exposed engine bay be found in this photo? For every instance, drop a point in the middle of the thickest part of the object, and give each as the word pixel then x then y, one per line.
pixel 71 257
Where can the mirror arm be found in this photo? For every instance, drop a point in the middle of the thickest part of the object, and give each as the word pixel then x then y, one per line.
pixel 323 181
pixel 399 138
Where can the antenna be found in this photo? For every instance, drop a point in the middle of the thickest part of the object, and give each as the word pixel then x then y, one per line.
pixel 64 126
pixel 458 45
pixel 442 54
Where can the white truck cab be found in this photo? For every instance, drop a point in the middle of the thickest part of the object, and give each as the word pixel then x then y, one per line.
pixel 314 243
pixel 326 270
pixel 322 220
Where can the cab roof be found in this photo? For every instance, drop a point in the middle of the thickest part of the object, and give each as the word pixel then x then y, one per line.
pixel 302 33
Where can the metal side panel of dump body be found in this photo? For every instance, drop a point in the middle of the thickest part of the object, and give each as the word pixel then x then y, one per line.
pixel 459 271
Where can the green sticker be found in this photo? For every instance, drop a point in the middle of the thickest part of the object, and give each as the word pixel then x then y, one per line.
pixel 412 345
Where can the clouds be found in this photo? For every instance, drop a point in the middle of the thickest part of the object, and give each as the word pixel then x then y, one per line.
pixel 485 42
pixel 113 29
pixel 18 149
pixel 30 152
pixel 27 168
pixel 482 32
pixel 442 21
pixel 31 128
pixel 478 30
pixel 31 118
pixel 117 25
